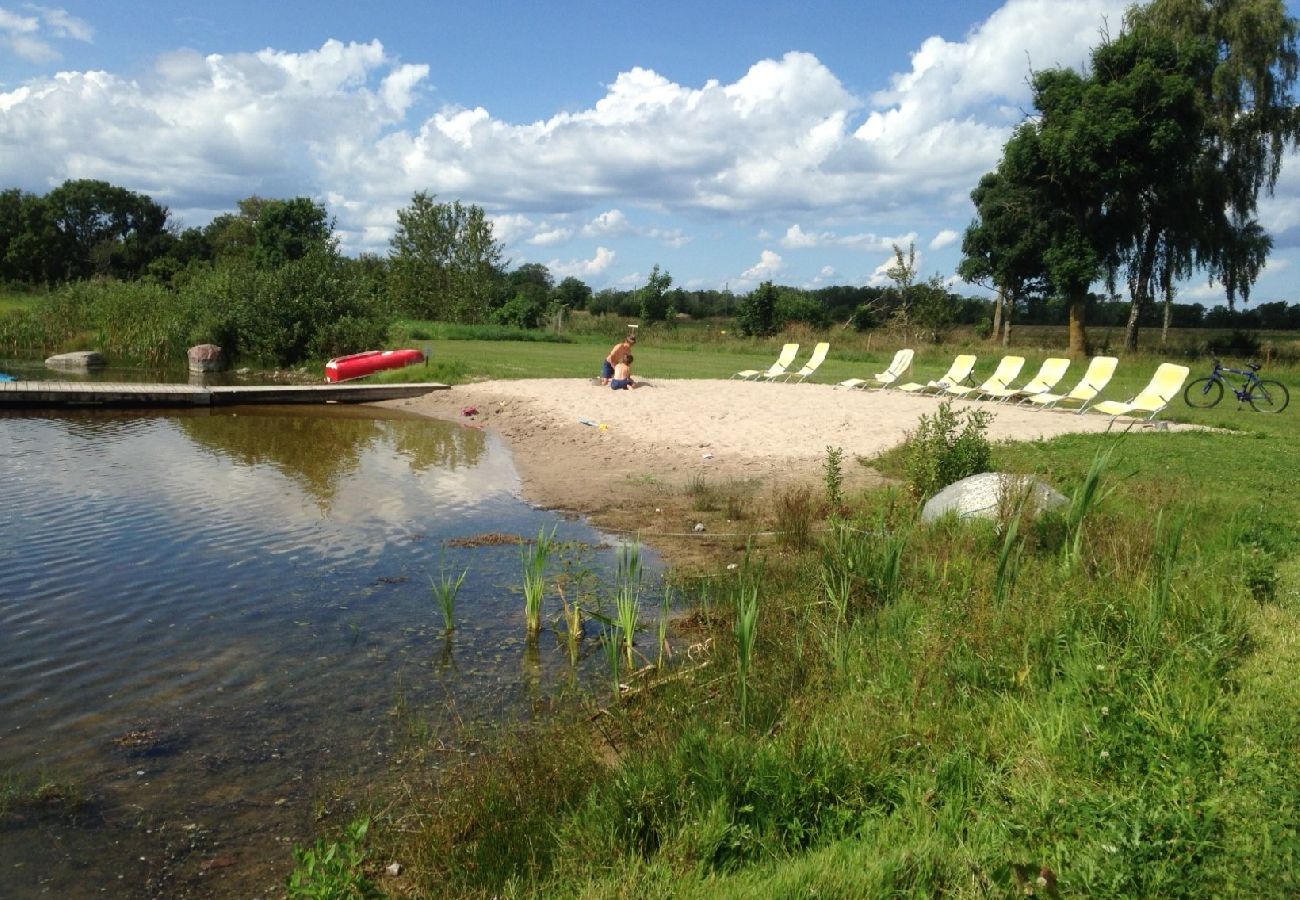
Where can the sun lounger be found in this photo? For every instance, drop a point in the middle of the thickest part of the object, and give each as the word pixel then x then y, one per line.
pixel 1051 372
pixel 1008 368
pixel 958 372
pixel 782 363
pixel 1097 377
pixel 1165 385
pixel 897 367
pixel 811 366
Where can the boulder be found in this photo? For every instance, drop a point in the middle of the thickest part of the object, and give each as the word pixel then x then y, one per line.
pixel 206 358
pixel 978 495
pixel 79 360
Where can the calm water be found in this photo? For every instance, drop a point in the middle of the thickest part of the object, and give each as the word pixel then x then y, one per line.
pixel 212 624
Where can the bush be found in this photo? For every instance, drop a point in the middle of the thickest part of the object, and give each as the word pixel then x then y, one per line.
pixel 944 449
pixel 311 308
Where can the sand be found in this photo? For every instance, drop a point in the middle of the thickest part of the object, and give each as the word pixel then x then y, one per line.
pixel 676 430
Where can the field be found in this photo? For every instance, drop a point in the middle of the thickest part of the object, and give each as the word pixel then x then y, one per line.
pixel 1096 702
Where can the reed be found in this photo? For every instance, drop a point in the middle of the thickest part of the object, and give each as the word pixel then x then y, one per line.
pixel 746 630
pixel 1085 499
pixel 665 607
pixel 609 642
pixel 445 591
pixel 572 623
pixel 627 597
pixel 534 558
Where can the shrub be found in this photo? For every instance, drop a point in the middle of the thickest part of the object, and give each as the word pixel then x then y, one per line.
pixel 944 449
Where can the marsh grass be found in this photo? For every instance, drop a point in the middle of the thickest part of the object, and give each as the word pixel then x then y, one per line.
pixel 445 590
pixel 746 631
pixel 795 512
pixel 534 557
pixel 703 495
pixel 627 595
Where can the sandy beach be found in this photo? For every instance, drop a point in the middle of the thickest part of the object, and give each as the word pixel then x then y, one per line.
pixel 578 446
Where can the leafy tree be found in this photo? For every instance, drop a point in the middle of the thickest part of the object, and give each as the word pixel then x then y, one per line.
pixel 286 230
pixel 1003 246
pixel 922 311
pixel 444 261
pixel 572 293
pixel 756 315
pixel 654 296
pixel 98 228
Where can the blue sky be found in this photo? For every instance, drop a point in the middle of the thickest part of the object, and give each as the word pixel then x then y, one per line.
pixel 727 142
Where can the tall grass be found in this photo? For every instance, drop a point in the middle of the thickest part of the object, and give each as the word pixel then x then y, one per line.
pixel 445 590
pixel 627 594
pixel 534 557
pixel 746 632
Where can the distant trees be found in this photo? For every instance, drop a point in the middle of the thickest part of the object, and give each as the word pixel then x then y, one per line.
pixel 81 228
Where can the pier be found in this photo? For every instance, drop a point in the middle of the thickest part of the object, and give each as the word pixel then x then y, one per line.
pixel 63 394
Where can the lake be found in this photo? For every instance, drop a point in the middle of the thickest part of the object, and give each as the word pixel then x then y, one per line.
pixel 215 624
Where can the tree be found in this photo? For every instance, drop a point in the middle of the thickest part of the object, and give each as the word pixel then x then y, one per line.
pixel 444 260
pixel 572 293
pixel 101 229
pixel 756 315
pixel 286 230
pixel 654 296
pixel 1003 246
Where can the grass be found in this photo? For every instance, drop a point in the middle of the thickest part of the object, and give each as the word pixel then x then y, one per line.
pixel 1090 702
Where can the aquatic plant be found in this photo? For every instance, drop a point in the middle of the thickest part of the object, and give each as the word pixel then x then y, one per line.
pixel 445 589
pixel 534 558
pixel 665 651
pixel 572 623
pixel 609 640
pixel 627 596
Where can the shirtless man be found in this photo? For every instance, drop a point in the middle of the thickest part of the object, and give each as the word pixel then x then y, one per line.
pixel 618 353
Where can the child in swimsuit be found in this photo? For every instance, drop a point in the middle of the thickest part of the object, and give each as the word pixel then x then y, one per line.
pixel 622 380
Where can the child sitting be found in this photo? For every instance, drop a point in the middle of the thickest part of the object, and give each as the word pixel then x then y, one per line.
pixel 622 380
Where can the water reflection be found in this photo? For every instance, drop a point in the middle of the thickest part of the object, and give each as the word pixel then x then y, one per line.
pixel 205 616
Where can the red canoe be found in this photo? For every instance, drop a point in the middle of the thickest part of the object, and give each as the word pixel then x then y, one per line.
pixel 358 365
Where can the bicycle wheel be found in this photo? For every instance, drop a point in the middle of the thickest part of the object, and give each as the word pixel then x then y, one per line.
pixel 1268 396
pixel 1204 393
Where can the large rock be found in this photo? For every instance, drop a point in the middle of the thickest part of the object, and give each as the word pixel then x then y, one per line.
pixel 80 360
pixel 206 358
pixel 978 496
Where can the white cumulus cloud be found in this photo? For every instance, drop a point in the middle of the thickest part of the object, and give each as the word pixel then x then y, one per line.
pixel 582 268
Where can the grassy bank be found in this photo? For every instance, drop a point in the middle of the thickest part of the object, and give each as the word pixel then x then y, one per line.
pixel 1095 702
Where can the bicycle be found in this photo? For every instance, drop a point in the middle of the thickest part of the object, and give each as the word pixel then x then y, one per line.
pixel 1263 395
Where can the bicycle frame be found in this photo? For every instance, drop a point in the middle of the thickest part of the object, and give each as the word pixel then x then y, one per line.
pixel 1243 392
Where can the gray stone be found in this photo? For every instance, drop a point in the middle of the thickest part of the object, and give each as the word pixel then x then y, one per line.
pixel 79 360
pixel 978 495
pixel 206 358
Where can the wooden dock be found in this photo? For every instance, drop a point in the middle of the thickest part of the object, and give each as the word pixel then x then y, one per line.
pixel 61 394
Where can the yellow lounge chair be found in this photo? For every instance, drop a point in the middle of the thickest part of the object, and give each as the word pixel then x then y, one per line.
pixel 1049 373
pixel 782 363
pixel 814 361
pixel 901 362
pixel 958 372
pixel 1008 368
pixel 1164 386
pixel 1097 377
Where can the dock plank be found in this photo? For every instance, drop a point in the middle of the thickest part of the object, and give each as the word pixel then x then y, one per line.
pixel 57 394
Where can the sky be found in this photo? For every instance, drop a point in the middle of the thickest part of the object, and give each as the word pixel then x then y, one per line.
pixel 727 142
